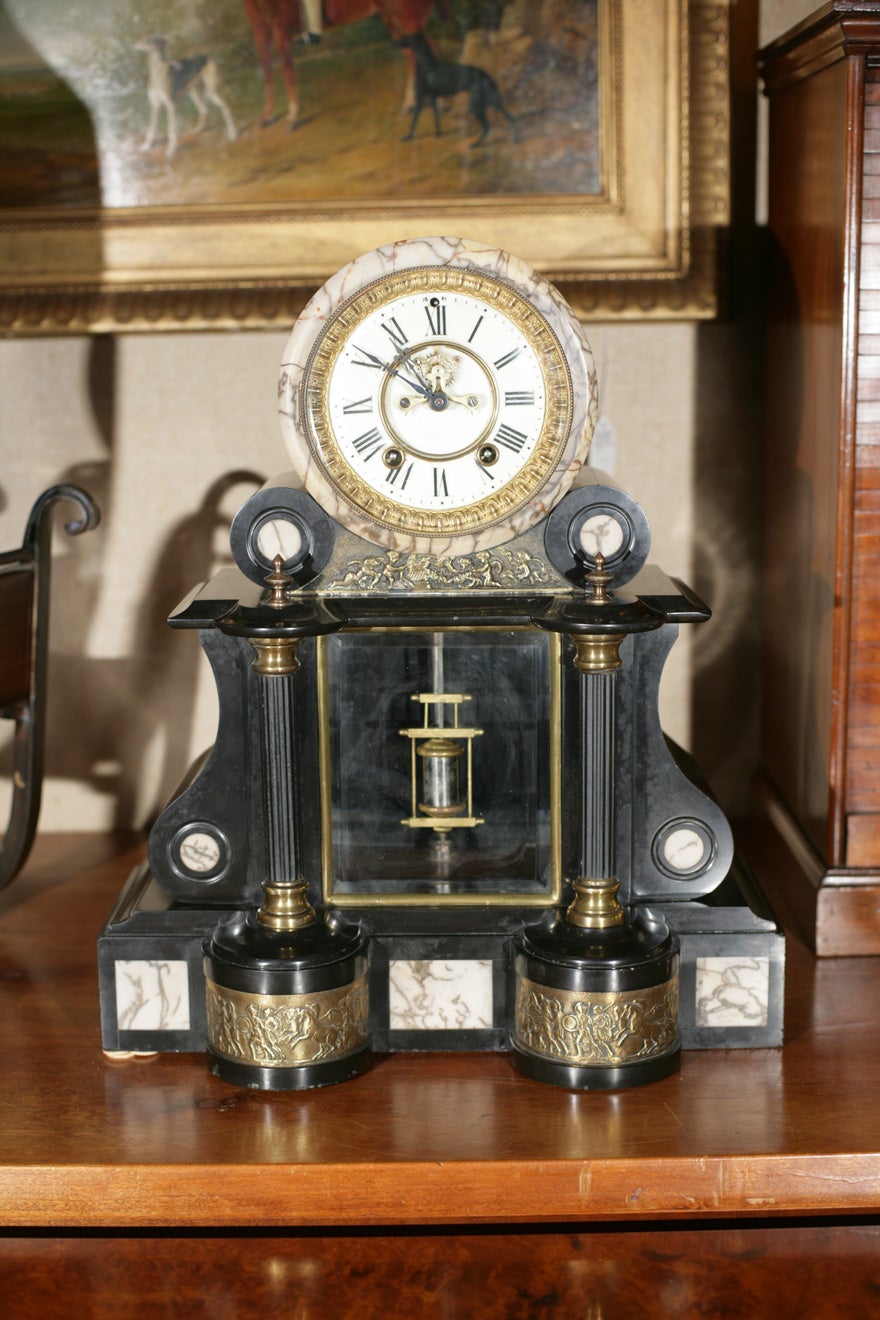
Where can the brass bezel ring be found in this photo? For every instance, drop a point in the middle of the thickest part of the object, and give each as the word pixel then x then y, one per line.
pixel 496 506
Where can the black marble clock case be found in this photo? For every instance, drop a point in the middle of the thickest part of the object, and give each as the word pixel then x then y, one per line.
pixel 732 950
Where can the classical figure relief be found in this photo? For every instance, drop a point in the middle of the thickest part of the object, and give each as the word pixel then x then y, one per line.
pixel 287 1031
pixel 596 1029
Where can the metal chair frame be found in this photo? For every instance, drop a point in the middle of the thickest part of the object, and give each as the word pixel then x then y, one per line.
pixel 24 628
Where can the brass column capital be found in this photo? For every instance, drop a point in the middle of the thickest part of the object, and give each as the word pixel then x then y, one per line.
pixel 275 656
pixel 597 653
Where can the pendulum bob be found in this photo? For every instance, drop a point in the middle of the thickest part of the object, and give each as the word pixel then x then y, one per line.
pixel 444 803
pixel 596 1006
pixel 441 795
pixel 286 986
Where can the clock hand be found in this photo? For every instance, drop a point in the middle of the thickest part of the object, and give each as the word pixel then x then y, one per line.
pixel 469 401
pixel 405 356
pixel 439 396
pixel 392 370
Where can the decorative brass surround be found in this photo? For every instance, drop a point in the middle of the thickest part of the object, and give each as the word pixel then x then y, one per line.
pixel 601 1029
pixel 287 1031
pixel 644 247
pixel 494 506
pixel 336 899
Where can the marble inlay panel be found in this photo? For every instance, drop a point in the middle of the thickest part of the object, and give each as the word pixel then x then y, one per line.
pixel 732 992
pixel 439 994
pixel 152 995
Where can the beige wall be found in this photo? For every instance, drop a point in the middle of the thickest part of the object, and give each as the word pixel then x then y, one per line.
pixel 777 16
pixel 171 432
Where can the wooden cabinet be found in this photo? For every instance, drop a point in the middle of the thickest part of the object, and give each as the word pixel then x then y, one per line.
pixel 821 747
pixel 432 1185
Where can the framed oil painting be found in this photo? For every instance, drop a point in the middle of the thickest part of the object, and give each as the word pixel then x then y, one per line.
pixel 196 163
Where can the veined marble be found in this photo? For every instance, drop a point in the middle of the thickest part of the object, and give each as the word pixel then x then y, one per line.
pixel 732 992
pixel 437 252
pixel 152 995
pixel 440 994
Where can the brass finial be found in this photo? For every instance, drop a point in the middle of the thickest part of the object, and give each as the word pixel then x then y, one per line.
pixel 279 584
pixel 276 656
pixel 597 581
pixel 595 905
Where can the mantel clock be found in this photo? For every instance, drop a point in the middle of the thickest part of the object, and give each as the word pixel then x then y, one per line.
pixel 440 812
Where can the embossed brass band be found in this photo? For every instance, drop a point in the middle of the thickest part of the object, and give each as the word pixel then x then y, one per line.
pixel 287 1031
pixel 597 1029
pixel 497 569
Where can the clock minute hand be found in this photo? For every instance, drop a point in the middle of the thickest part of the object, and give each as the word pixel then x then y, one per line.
pixel 392 369
pixel 405 356
pixel 413 384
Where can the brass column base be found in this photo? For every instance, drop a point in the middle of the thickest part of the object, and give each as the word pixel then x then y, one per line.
pixel 287 1011
pixel 596 996
pixel 598 1041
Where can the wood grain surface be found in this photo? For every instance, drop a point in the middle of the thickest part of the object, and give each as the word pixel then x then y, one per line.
pixel 821 600
pixel 419 1139
pixel 583 1274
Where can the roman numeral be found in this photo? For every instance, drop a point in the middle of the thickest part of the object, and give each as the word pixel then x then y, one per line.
pixel 506 360
pixel 510 438
pixel 440 486
pixel 366 360
pixel 403 473
pixel 393 330
pixel 368 444
pixel 475 329
pixel 519 398
pixel 359 406
pixel 437 318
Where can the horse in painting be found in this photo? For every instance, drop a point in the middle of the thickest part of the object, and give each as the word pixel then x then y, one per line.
pixel 277 24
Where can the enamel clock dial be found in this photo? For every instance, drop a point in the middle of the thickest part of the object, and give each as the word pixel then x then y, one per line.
pixel 437 396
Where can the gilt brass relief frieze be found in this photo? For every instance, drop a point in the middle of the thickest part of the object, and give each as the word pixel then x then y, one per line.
pixel 596 1029
pixel 287 1031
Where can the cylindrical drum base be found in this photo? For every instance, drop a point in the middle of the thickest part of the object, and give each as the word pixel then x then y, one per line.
pixel 594 1023
pixel 286 1011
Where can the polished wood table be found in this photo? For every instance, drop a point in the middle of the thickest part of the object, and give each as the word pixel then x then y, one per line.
pixel 433 1184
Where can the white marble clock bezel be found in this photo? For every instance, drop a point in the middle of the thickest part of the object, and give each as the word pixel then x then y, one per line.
pixel 453 254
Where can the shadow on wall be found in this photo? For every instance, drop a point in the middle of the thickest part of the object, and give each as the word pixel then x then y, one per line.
pixel 727 466
pixel 112 719
pixel 109 719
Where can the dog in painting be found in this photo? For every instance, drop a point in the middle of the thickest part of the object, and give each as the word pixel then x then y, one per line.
pixel 197 76
pixel 438 78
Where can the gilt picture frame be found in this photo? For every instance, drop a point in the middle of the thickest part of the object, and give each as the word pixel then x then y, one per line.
pixel 604 162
